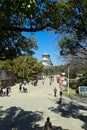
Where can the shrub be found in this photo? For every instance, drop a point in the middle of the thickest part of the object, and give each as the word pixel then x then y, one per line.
pixel 73 84
pixel 77 90
pixel 82 81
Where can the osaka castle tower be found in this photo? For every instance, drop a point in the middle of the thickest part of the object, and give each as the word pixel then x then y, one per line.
pixel 46 61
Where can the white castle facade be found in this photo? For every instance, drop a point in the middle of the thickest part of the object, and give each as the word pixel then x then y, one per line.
pixel 46 61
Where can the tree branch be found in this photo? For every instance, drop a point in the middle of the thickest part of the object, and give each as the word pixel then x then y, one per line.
pixel 26 29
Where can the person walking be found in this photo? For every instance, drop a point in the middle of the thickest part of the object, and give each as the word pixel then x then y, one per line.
pixel 60 98
pixel 55 91
pixel 7 90
pixel 4 91
pixel 43 81
pixel 59 81
pixel 25 88
pixel 20 86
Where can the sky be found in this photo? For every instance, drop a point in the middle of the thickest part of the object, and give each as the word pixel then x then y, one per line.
pixel 48 43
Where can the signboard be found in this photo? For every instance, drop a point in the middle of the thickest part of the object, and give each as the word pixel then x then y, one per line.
pixel 83 90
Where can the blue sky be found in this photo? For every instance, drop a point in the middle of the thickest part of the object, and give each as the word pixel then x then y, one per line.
pixel 47 42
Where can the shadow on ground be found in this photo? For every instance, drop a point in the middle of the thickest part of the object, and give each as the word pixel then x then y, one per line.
pixel 16 118
pixel 73 110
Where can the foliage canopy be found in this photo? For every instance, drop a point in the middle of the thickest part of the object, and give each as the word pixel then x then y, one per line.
pixel 67 17
pixel 23 67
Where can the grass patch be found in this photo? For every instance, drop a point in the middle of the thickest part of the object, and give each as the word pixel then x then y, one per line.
pixel 72 93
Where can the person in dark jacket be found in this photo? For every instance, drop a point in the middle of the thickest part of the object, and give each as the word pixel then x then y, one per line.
pixel 48 125
pixel 60 98
pixel 7 91
pixel 55 91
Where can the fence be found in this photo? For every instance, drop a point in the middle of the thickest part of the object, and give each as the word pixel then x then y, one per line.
pixel 83 90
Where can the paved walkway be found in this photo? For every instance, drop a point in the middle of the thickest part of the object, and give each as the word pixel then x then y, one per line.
pixel 28 111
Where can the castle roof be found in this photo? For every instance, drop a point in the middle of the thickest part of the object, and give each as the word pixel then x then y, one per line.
pixel 45 53
pixel 46 61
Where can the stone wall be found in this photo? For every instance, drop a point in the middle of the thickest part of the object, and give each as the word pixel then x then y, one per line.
pixel 7 78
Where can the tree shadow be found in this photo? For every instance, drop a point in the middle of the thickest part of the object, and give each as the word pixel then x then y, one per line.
pixel 16 118
pixel 71 110
pixel 59 128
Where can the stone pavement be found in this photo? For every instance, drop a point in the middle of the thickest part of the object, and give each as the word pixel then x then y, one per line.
pixel 28 111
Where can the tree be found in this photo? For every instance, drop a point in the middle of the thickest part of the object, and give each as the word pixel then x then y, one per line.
pixel 22 15
pixel 30 66
pixel 35 15
pixel 23 67
pixel 71 49
pixel 63 16
pixel 74 41
pixel 7 65
pixel 16 45
pixel 12 43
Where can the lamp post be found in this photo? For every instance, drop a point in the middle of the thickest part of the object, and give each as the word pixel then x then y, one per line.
pixel 68 79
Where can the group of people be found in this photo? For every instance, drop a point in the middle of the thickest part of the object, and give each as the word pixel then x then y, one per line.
pixel 48 124
pixel 23 87
pixel 60 95
pixel 59 81
pixel 4 91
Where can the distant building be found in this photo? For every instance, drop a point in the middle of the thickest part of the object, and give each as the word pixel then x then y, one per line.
pixel 46 61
